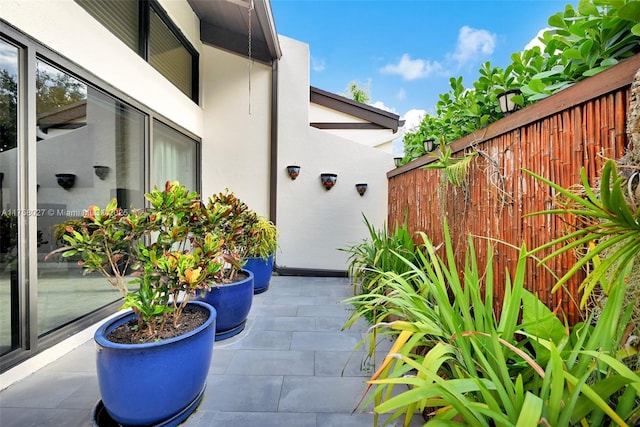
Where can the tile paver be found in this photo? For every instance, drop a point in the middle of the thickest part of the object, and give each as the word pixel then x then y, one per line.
pixel 291 366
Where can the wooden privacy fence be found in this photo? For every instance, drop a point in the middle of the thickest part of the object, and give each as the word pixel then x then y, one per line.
pixel 579 127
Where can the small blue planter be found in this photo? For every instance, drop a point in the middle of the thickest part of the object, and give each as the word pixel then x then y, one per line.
pixel 147 384
pixel 232 301
pixel 262 270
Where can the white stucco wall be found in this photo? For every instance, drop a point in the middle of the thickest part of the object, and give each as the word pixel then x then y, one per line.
pixel 378 138
pixel 320 113
pixel 237 126
pixel 314 222
pixel 65 27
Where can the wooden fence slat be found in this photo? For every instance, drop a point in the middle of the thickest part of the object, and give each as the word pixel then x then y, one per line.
pixel 497 194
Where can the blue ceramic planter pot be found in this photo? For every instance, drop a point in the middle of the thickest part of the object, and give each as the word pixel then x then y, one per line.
pixel 262 270
pixel 146 384
pixel 232 301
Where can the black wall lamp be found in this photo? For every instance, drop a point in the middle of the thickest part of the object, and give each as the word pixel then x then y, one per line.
pixel 397 161
pixel 505 99
pixel 66 180
pixel 101 171
pixel 293 171
pixel 361 188
pixel 328 180
pixel 429 145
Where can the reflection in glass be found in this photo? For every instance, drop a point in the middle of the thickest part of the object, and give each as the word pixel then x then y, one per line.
pixel 79 127
pixel 174 157
pixel 169 56
pixel 9 289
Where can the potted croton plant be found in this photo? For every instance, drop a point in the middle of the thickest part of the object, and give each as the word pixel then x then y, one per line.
pixel 231 290
pixel 260 247
pixel 153 359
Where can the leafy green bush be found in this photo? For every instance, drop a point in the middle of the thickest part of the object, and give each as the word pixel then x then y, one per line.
pixel 522 367
pixel 464 364
pixel 370 259
pixel 608 241
pixel 580 43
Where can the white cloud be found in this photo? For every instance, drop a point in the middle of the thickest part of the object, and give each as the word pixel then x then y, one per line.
pixel 411 69
pixel 380 105
pixel 412 119
pixel 317 64
pixel 536 40
pixel 473 43
pixel 402 94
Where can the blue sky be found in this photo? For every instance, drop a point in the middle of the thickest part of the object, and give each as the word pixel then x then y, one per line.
pixel 405 51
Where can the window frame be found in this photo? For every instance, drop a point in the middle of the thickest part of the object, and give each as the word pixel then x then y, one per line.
pixel 145 7
pixel 145 17
pixel 30 51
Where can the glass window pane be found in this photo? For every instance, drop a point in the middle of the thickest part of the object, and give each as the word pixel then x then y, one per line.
pixel 174 157
pixel 9 291
pixel 90 149
pixel 118 16
pixel 168 55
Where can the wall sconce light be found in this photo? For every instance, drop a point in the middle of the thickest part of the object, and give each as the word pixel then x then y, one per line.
pixel 429 145
pixel 328 180
pixel 293 171
pixel 361 188
pixel 507 106
pixel 397 161
pixel 101 171
pixel 66 180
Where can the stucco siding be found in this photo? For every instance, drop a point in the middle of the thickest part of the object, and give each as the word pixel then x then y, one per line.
pixel 314 222
pixel 237 126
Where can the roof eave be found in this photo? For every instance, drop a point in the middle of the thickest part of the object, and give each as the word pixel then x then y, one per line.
pixel 221 26
pixel 386 119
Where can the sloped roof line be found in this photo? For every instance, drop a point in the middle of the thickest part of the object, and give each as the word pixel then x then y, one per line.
pixel 377 116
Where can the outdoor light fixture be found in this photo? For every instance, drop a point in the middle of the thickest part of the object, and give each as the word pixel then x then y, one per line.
pixel 429 145
pixel 101 171
pixel 507 106
pixel 397 161
pixel 362 188
pixel 66 180
pixel 328 180
pixel 293 171
pixel 634 177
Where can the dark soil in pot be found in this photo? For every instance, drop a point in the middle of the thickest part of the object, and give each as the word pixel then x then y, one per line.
pixel 129 333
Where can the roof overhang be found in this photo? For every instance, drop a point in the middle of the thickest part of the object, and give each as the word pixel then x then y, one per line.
pixel 377 118
pixel 225 24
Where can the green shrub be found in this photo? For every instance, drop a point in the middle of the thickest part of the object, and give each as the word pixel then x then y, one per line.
pixel 369 259
pixel 580 43
pixel 522 367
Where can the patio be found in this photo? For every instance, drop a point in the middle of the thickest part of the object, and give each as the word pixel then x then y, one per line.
pixel 291 366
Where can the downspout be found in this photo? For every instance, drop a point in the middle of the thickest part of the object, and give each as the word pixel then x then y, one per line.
pixel 273 153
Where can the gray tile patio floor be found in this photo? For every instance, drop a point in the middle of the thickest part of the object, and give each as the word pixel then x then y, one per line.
pixel 291 366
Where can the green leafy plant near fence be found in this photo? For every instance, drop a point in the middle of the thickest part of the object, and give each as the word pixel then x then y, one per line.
pixel 581 42
pixel 456 360
pixel 368 259
pixel 523 367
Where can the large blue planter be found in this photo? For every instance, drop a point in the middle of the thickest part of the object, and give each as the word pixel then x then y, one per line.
pixel 262 270
pixel 232 301
pixel 147 384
